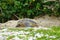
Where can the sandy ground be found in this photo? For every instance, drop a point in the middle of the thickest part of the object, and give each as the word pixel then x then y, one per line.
pixel 47 21
pixel 44 21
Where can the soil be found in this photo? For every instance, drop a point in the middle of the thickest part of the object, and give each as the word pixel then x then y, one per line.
pixel 44 21
pixel 48 21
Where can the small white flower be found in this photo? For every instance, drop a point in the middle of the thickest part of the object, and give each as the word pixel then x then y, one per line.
pixel 46 35
pixel 21 32
pixel 26 32
pixel 52 36
pixel 34 38
pixel 30 38
pixel 39 35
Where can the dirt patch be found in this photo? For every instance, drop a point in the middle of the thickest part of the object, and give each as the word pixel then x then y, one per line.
pixel 44 21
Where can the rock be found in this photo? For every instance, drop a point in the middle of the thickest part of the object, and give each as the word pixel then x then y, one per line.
pixel 27 23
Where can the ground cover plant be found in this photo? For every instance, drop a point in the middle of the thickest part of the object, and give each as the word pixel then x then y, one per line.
pixel 41 33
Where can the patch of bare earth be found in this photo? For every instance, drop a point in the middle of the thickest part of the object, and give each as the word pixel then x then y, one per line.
pixel 44 21
pixel 48 21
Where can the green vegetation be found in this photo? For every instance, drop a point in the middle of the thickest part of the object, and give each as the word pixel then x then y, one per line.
pixel 34 33
pixel 9 9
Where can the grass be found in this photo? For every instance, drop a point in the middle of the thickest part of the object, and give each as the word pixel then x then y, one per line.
pixel 52 33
